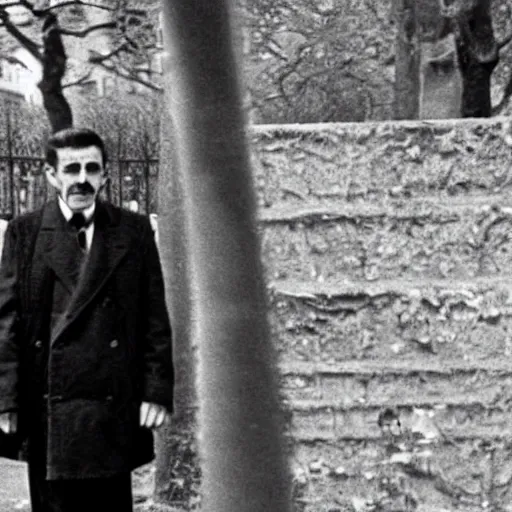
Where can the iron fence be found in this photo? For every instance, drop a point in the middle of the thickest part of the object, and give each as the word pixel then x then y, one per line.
pixel 132 168
pixel 132 184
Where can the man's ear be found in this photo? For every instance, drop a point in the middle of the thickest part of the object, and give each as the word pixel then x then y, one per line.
pixel 51 176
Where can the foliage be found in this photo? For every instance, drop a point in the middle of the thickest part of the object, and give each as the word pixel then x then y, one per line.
pixel 319 61
pixel 129 124
pixel 23 128
pixel 315 61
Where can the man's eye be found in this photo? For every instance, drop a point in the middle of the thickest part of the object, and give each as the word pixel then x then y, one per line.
pixel 93 167
pixel 72 168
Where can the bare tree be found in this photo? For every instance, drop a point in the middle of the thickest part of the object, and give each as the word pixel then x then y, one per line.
pixel 132 45
pixel 478 52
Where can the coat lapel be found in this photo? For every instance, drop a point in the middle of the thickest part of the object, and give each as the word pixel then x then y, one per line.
pixel 110 244
pixel 51 245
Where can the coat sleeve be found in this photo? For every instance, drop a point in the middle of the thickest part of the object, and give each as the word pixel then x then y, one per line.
pixel 9 350
pixel 157 352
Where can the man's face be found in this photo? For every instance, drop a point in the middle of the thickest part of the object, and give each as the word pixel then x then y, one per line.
pixel 79 176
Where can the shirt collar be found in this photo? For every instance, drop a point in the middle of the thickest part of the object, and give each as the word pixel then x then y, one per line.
pixel 68 213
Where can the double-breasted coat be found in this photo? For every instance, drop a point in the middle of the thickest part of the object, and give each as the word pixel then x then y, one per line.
pixel 86 376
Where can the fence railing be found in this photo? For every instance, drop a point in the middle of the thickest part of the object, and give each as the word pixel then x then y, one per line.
pixel 132 184
pixel 132 168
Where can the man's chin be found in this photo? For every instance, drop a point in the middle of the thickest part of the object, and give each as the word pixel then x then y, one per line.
pixel 79 202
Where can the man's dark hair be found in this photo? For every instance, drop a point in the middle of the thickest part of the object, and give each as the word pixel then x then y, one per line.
pixel 73 138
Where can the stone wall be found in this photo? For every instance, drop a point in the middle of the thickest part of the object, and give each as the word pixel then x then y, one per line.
pixel 388 250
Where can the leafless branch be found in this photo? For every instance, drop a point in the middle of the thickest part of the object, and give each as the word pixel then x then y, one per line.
pixel 506 40
pixel 80 81
pixel 28 5
pixel 443 58
pixel 13 60
pixel 88 30
pixel 31 46
pixel 126 74
pixel 40 12
pixel 98 58
pixel 88 4
pixel 149 71
pixel 14 3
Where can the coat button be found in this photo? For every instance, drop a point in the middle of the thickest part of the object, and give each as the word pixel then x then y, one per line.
pixel 114 344
pixel 38 344
pixel 107 301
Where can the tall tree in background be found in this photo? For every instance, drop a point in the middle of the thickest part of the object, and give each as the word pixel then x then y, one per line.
pixel 132 44
pixel 447 52
pixel 407 62
pixel 478 52
pixel 53 60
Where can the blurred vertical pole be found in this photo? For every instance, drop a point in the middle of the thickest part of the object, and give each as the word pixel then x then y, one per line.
pixel 243 456
pixel 177 472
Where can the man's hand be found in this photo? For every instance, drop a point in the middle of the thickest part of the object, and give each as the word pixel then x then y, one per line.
pixel 9 422
pixel 153 415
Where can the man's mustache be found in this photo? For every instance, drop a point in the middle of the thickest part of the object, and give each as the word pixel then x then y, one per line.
pixel 81 188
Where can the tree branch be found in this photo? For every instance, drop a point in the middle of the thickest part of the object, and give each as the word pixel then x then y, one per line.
pixel 13 60
pixel 85 4
pixel 41 12
pixel 98 58
pixel 444 58
pixel 14 3
pixel 149 71
pixel 88 30
pixel 129 76
pixel 15 32
pixel 505 40
pixel 78 81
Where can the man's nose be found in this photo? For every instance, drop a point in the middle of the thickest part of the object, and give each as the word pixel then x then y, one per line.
pixel 82 176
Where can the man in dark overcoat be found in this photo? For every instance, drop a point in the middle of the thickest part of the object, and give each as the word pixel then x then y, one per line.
pixel 86 366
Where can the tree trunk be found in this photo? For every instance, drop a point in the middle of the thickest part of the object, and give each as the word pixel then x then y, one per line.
pixel 54 66
pixel 478 55
pixel 407 62
pixel 242 452
pixel 440 78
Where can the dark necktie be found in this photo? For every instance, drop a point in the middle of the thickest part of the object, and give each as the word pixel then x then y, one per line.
pixel 80 223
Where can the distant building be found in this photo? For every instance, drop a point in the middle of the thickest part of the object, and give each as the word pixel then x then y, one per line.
pixel 19 76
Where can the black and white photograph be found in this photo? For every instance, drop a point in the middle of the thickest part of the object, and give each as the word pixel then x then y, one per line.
pixel 256 255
